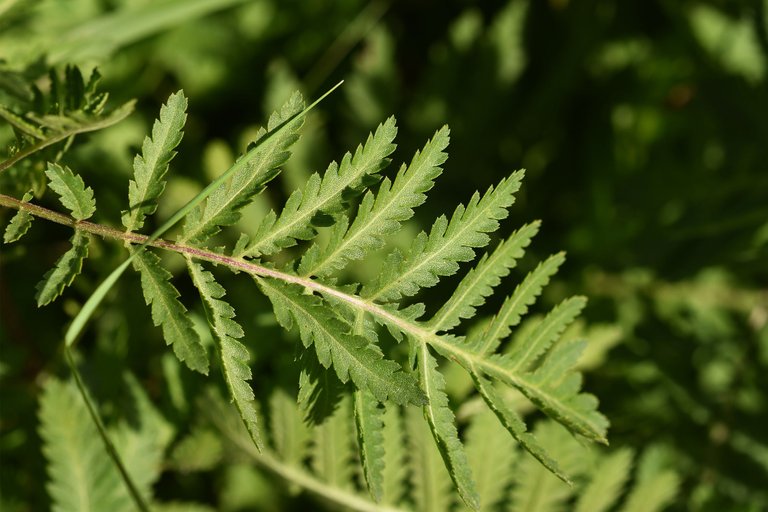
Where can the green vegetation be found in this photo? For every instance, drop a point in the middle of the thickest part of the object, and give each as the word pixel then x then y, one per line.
pixel 252 328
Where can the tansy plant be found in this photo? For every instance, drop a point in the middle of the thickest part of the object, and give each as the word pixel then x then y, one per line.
pixel 355 381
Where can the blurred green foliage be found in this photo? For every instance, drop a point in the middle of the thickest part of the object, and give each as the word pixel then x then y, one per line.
pixel 643 126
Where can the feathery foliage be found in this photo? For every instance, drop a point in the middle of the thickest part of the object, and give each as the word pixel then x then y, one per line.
pixel 348 378
pixel 382 214
pixel 82 478
pixel 350 355
pixel 322 198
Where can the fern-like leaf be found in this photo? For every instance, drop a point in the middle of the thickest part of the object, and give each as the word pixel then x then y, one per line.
pixel 656 485
pixel 607 484
pixel 169 313
pixel 448 243
pixel 382 214
pixel 19 224
pixel 490 452
pixel 516 426
pixel 554 388
pixel 443 425
pixel 82 478
pixel 72 191
pixel 234 355
pixel 350 355
pixel 430 480
pixel 369 420
pixel 538 490
pixel 142 438
pixel 394 473
pixel 152 164
pixel 516 306
pixel 480 281
pixel 332 448
pixel 525 353
pixel 290 434
pixel 322 198
pixel 64 271
pixel 261 165
pixel 71 107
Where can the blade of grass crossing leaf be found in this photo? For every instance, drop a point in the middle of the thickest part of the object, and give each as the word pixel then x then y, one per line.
pixel 443 425
pixel 380 214
pixel 234 355
pixel 81 476
pixel 369 420
pixel 324 197
pixel 138 500
pixel 98 295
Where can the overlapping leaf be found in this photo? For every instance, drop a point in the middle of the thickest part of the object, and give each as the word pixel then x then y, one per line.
pixel 322 199
pixel 81 476
pixel 257 167
pixel 19 224
pixel 448 243
pixel 350 355
pixel 382 214
pixel 234 355
pixel 443 425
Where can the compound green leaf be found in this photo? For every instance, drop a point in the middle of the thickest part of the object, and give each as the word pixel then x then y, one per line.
pixel 448 243
pixel 323 198
pixel 19 224
pixel 380 214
